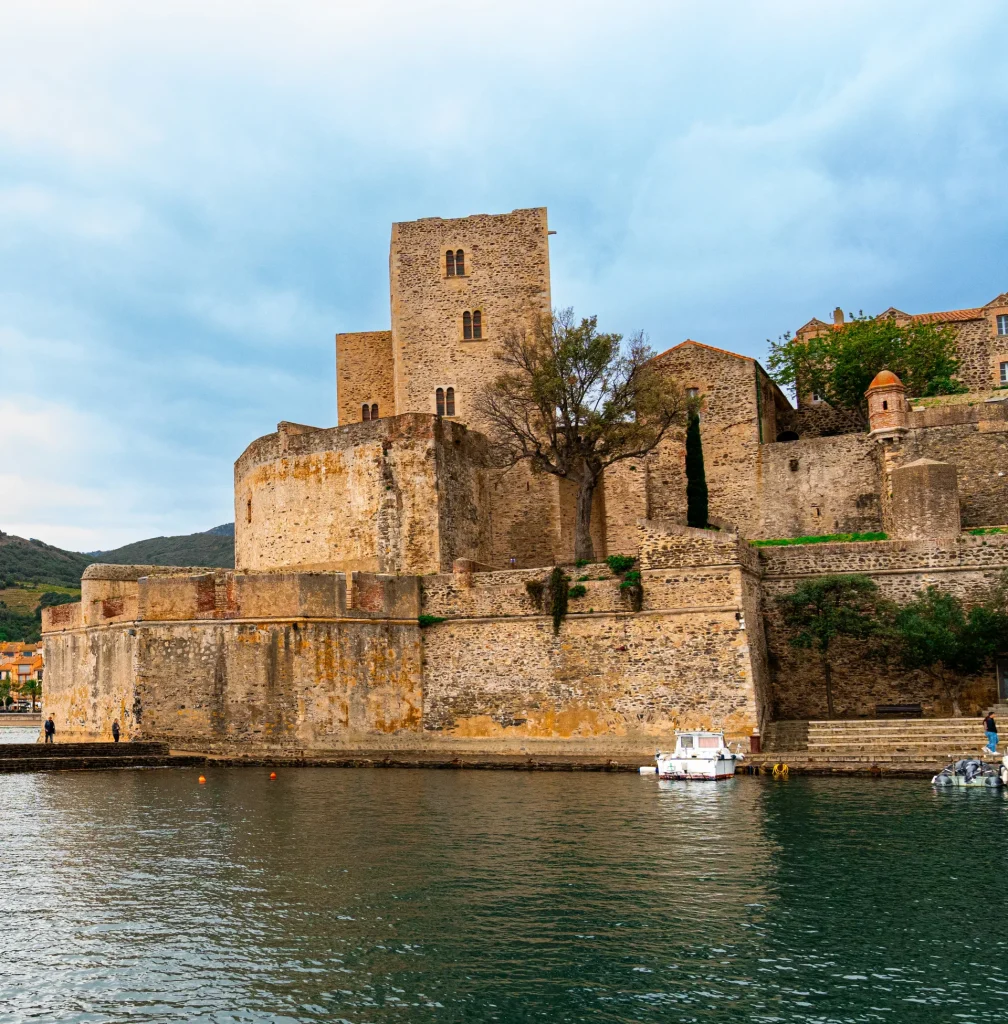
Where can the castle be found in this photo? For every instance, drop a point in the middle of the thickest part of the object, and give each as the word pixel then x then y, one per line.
pixel 384 594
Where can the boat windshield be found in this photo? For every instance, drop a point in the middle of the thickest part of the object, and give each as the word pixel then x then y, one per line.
pixel 685 741
pixel 710 741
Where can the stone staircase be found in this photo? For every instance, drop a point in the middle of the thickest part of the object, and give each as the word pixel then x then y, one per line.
pixel 25 757
pixel 892 745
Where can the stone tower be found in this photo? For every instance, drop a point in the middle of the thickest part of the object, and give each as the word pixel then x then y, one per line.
pixel 887 405
pixel 456 288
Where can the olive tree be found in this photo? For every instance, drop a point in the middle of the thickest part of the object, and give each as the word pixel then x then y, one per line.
pixel 572 401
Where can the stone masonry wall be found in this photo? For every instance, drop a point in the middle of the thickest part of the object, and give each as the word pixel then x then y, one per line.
pixel 979 451
pixel 365 496
pixel 364 374
pixel 967 566
pixel 232 661
pixel 729 431
pixel 818 485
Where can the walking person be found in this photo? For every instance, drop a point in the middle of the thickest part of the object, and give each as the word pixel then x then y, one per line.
pixel 50 730
pixel 115 732
pixel 990 727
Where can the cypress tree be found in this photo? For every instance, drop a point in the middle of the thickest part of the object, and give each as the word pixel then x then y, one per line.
pixel 696 480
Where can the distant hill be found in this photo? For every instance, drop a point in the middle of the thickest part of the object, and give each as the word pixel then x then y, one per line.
pixel 226 530
pixel 32 561
pixel 213 548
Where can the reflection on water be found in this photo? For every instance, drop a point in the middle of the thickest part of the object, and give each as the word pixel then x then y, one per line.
pixel 497 896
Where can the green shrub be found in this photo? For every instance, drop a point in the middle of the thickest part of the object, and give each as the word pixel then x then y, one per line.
pixel 633 590
pixel 583 579
pixel 535 589
pixel 983 531
pixel 632 579
pixel 429 620
pixel 581 563
pixel 578 590
pixel 619 564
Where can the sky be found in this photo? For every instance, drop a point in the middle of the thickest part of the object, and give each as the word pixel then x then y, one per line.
pixel 196 196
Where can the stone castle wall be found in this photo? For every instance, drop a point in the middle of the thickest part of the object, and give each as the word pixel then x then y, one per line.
pixel 364 374
pixel 222 660
pixel 980 349
pixel 974 439
pixel 817 485
pixel 403 494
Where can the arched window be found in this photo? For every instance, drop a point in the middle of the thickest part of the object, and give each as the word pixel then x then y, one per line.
pixel 439 395
pixel 477 324
pixel 460 263
pixel 467 326
pixel 365 412
pixel 450 263
pixel 374 411
pixel 450 402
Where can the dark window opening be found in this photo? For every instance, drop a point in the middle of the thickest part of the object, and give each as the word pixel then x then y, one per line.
pixel 450 263
pixel 365 412
pixel 885 405
pixel 248 511
pixel 374 411
pixel 477 324
pixel 787 435
pixel 439 396
pixel 467 326
pixel 450 402
pixel 460 262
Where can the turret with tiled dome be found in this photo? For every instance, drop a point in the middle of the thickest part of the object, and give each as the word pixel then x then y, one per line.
pixel 887 405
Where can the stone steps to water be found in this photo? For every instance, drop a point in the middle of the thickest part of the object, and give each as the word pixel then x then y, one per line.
pixel 21 757
pixel 906 745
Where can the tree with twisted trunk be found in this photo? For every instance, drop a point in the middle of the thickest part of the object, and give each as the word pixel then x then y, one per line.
pixel 572 401
pixel 826 607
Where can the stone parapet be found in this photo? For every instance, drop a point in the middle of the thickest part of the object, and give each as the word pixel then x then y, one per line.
pixel 663 544
pixel 963 552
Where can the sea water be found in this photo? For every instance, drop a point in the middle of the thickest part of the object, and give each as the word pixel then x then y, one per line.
pixel 398 895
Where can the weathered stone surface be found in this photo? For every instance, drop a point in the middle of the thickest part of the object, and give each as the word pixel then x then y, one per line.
pixel 925 500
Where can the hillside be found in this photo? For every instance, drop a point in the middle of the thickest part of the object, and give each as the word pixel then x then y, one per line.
pixel 37 563
pixel 210 549
pixel 31 561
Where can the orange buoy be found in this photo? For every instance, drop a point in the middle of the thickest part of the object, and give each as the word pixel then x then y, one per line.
pixel 272 775
pixel 202 779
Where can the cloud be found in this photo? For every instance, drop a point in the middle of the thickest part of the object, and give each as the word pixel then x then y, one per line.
pixel 195 197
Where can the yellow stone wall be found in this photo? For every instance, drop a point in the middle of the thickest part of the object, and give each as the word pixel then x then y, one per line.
pixel 363 374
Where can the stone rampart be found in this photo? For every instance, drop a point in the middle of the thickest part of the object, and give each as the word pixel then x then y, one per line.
pixel 231 661
pixel 402 494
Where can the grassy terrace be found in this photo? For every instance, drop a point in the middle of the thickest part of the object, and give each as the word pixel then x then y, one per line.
pixel 826 538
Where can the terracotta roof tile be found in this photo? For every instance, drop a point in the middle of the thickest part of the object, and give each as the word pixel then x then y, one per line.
pixel 950 316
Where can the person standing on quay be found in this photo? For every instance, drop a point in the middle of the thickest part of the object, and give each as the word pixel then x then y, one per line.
pixel 50 729
pixel 115 732
pixel 990 727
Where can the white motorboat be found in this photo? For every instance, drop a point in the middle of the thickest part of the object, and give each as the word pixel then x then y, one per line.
pixel 698 755
pixel 972 773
